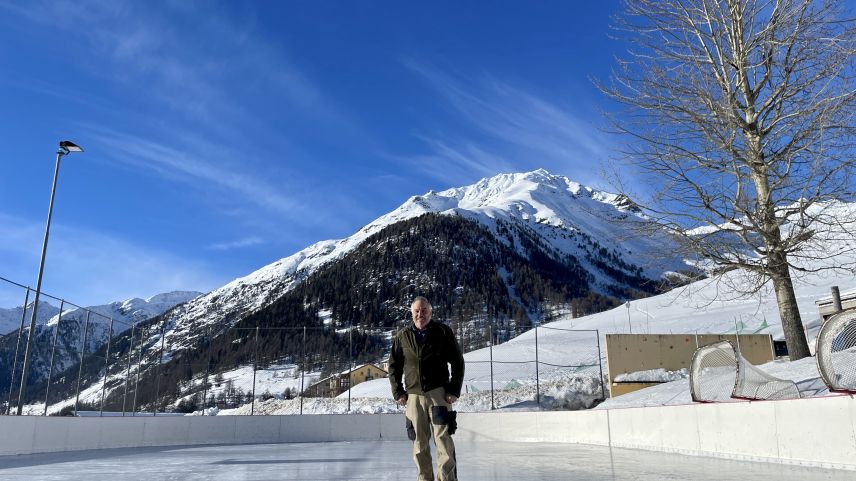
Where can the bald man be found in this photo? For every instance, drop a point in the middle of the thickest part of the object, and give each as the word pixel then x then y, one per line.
pixel 422 352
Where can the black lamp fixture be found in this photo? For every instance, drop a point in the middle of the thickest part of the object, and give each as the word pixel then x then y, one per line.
pixel 66 146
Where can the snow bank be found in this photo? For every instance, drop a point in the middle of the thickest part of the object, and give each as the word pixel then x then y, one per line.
pixel 653 375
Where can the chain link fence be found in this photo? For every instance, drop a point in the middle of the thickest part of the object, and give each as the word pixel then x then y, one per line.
pixel 84 362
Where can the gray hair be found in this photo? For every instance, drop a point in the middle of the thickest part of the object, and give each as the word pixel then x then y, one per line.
pixel 423 300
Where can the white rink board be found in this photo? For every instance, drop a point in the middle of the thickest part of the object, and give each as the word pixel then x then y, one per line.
pixel 813 432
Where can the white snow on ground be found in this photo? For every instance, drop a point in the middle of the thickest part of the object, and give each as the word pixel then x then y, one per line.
pixel 653 375
pixel 273 380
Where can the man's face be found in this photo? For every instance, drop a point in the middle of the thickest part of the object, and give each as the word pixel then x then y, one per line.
pixel 421 314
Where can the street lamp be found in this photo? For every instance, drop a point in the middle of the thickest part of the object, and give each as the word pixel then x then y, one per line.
pixel 65 147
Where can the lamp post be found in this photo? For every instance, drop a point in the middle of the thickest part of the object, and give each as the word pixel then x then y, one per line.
pixel 65 148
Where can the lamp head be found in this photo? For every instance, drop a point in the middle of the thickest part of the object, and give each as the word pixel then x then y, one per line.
pixel 66 146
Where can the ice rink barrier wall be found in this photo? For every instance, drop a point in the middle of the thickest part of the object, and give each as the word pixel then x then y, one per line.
pixel 813 432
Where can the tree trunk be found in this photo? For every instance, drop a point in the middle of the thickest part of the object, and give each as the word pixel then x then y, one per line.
pixel 789 311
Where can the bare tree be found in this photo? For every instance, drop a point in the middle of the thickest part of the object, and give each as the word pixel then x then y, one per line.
pixel 740 118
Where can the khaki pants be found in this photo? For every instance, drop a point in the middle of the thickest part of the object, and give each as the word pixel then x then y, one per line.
pixel 419 413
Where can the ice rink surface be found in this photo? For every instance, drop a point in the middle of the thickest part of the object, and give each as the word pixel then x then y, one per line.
pixel 391 460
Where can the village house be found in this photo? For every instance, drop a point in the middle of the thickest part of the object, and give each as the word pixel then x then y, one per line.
pixel 336 384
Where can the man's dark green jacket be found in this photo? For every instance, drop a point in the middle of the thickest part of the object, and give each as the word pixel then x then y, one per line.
pixel 426 367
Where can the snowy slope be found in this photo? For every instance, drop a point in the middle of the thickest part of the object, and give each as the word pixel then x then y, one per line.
pixel 559 209
pixel 10 319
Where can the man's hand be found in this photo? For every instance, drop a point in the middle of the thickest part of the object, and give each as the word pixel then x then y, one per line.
pixel 402 401
pixel 451 398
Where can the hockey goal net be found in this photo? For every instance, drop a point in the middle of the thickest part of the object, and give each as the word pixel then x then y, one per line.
pixel 836 352
pixel 720 374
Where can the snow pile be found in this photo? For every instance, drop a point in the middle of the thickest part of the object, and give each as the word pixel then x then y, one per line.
pixel 653 375
pixel 212 411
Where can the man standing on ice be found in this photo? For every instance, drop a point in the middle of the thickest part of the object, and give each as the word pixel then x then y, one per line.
pixel 423 352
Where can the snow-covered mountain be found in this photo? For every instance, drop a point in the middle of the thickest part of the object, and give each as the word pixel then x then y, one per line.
pixel 578 234
pixel 10 319
pixel 573 219
pixel 71 330
pixel 126 313
pixel 568 218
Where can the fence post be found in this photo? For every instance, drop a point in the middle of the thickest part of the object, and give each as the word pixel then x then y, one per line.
pixel 207 371
pixel 128 372
pixel 600 365
pixel 737 334
pixel 629 325
pixel 350 362
pixel 255 366
pixel 53 353
pixel 82 357
pixel 302 368
pixel 490 327
pixel 537 380
pixel 157 372
pixel 106 367
pixel 17 347
pixel 137 378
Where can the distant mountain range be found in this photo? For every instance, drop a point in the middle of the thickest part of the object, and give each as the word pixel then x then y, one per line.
pixel 69 340
pixel 10 319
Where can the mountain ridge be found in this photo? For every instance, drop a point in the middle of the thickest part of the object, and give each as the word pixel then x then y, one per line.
pixel 536 196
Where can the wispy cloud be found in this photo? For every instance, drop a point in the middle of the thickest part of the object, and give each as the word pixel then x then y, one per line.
pixel 90 267
pixel 449 159
pixel 202 168
pixel 529 130
pixel 167 54
pixel 236 244
pixel 211 70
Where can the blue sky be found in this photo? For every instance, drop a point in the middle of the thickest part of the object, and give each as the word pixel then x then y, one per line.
pixel 222 136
